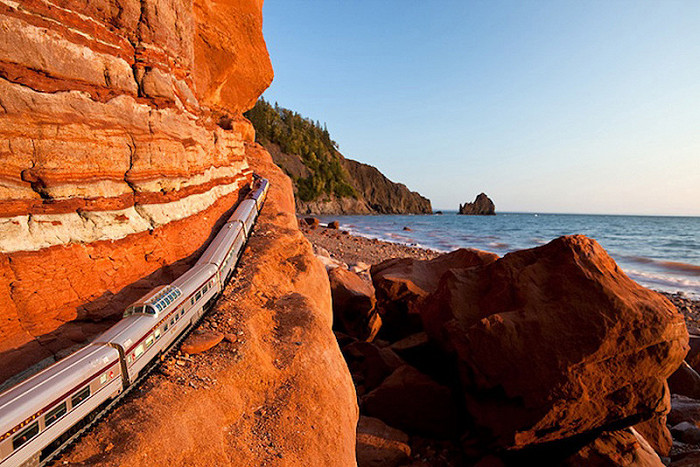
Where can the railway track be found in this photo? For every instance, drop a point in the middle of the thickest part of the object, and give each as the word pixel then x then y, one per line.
pixel 54 451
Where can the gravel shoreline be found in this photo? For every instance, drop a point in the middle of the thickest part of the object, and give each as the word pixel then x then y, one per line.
pixel 352 249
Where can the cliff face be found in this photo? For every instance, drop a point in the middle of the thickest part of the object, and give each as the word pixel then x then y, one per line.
pixel 325 182
pixel 376 194
pixel 113 169
pixel 381 194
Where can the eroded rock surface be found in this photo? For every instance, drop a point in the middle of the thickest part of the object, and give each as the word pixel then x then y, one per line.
pixel 379 445
pixel 122 147
pixel 556 341
pixel 353 304
pixel 401 282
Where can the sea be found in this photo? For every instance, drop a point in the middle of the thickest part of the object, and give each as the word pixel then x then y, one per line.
pixel 662 253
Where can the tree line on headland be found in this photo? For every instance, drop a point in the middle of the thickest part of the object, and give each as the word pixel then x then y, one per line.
pixel 304 137
pixel 325 182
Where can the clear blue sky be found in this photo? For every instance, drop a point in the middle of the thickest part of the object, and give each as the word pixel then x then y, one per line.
pixel 547 106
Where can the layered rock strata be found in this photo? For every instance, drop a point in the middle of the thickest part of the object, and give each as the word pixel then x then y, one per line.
pixel 122 146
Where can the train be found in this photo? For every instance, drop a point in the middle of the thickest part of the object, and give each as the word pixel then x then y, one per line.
pixel 42 410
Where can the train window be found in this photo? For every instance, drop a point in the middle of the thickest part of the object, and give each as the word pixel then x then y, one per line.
pixel 55 414
pixel 198 295
pixel 167 301
pixel 25 435
pixel 165 328
pixel 139 351
pixel 149 341
pixel 80 396
pixel 150 310
pixel 192 301
pixel 157 333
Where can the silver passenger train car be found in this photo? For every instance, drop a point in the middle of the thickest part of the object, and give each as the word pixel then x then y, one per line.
pixel 43 408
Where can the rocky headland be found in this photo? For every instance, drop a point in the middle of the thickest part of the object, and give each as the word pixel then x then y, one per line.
pixel 325 182
pixel 544 356
pixel 482 206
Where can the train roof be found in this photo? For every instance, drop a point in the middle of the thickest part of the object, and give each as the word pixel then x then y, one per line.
pixel 190 281
pixel 219 247
pixel 53 384
pixel 156 301
pixel 128 331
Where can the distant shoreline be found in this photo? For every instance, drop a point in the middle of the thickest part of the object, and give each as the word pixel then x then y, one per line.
pixel 454 211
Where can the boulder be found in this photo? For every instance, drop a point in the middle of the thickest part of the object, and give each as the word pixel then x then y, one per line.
pixel 400 282
pixel 623 447
pixel 379 445
pixel 333 225
pixel 312 222
pixel 370 364
pixel 689 460
pixel 201 342
pixel 419 352
pixel 685 381
pixel 556 341
pixel 413 402
pixel 482 206
pixel 353 304
pixel 360 267
pixel 693 357
pixel 684 409
pixel 686 432
pixel 657 434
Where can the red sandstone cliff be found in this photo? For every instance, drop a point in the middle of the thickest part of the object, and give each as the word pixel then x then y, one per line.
pixel 113 169
pixel 123 149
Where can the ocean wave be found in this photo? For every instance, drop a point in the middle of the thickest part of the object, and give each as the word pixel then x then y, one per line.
pixel 676 266
pixel 667 283
pixel 682 267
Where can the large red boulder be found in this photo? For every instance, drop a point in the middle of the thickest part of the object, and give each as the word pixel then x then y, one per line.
pixel 400 282
pixel 353 304
pixel 413 402
pixel 556 341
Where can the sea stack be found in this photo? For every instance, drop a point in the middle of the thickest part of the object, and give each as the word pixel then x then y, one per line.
pixel 482 206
